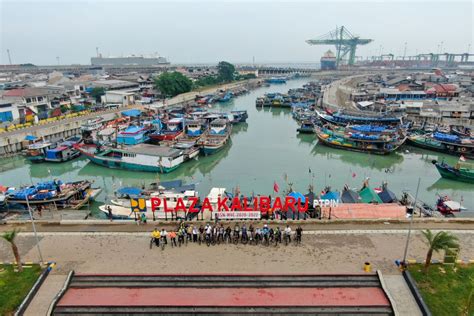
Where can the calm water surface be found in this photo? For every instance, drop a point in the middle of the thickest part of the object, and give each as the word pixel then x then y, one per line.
pixel 262 151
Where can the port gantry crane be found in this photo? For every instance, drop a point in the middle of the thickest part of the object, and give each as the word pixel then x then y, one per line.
pixel 345 42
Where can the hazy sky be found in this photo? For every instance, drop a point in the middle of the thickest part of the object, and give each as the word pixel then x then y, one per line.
pixel 205 31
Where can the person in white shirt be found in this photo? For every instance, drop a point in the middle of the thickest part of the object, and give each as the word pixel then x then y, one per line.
pixel 288 233
pixel 164 235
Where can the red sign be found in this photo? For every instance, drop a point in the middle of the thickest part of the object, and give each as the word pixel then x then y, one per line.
pixel 262 204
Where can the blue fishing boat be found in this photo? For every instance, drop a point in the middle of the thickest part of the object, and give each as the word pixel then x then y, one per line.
pixel 239 116
pixel 307 127
pixel 64 151
pixel 276 80
pixel 133 135
pixel 226 97
pixel 351 117
pixel 174 129
pixel 216 137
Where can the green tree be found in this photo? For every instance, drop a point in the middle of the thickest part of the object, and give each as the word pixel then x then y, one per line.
pixel 10 238
pixel 173 83
pixel 97 92
pixel 442 240
pixel 226 71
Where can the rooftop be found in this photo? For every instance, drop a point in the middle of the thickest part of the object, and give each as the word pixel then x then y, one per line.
pixel 153 150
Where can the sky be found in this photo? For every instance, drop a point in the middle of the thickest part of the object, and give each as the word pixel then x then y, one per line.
pixel 45 32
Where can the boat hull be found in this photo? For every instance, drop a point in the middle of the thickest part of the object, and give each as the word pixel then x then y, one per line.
pixel 452 174
pixel 116 164
pixel 63 159
pixel 165 136
pixel 452 149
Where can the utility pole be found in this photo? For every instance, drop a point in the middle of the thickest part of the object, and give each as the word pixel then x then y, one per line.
pixel 57 58
pixel 405 51
pixel 10 58
pixel 34 229
pixel 411 223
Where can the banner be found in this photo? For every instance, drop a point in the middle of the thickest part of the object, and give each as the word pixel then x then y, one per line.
pixel 238 215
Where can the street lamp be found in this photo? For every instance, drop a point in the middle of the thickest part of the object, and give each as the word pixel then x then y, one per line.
pixel 34 228
pixel 411 223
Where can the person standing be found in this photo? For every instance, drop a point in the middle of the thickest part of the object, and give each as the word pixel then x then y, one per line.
pixel 299 233
pixel 195 234
pixel 172 235
pixel 155 235
pixel 109 210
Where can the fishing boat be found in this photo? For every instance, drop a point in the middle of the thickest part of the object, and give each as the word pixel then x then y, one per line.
pixel 307 127
pixel 446 143
pixel 53 192
pixel 376 143
pixel 461 131
pixel 448 207
pixel 121 209
pixel 36 152
pixel 226 97
pixel 92 125
pixel 239 116
pixel 462 171
pixel 276 80
pixel 133 135
pixel 216 137
pixel 174 128
pixel 141 157
pixel 64 151
pixel 194 129
pixel 350 196
pixel 359 117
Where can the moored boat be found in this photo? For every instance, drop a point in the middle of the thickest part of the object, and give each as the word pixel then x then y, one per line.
pixel 446 143
pixel 460 172
pixel 64 151
pixel 216 137
pixel 36 152
pixel 141 157
pixel 381 144
pixel 307 127
pixel 174 128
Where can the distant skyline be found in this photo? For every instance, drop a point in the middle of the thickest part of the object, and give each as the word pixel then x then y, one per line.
pixel 39 32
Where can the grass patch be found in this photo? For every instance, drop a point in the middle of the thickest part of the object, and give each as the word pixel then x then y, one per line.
pixel 14 286
pixel 445 289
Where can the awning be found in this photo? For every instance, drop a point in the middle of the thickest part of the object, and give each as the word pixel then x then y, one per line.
pixel 298 195
pixel 129 191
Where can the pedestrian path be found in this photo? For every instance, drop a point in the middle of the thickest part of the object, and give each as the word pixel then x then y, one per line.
pixel 400 293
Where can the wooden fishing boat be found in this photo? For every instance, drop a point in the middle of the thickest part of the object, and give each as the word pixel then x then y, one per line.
pixel 359 117
pixel 64 151
pixel 174 129
pixel 460 172
pixel 36 152
pixel 307 127
pixel 141 157
pixel 216 137
pixel 446 143
pixel 360 142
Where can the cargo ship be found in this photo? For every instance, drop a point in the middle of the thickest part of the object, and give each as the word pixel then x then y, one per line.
pixel 328 61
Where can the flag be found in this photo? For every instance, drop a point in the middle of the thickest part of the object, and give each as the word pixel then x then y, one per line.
pixel 276 188
pixel 354 175
pixel 462 158
pixel 309 170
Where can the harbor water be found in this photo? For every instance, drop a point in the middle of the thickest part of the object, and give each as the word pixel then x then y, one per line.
pixel 265 150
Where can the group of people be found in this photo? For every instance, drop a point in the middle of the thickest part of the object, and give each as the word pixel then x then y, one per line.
pixel 217 234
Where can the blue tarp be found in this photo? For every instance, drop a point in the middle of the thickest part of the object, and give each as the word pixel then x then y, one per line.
pixel 132 113
pixel 446 137
pixel 129 191
pixel 369 128
pixel 298 195
pixel 31 137
pixel 330 196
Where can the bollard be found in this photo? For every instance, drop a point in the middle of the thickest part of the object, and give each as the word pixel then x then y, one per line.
pixel 367 267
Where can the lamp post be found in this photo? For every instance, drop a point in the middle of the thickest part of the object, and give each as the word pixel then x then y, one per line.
pixel 34 228
pixel 411 222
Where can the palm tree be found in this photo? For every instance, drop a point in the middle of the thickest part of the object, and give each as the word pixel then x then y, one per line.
pixel 442 240
pixel 10 237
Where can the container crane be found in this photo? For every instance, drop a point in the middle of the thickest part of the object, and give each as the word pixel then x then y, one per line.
pixel 345 42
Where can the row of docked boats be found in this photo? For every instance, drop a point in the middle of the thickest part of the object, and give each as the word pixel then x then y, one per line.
pixel 53 193
pixel 40 150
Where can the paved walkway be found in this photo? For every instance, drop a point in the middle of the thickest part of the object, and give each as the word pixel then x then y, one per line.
pixel 400 293
pixel 42 300
pixel 328 252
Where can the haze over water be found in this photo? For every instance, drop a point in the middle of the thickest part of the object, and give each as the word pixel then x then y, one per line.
pixel 261 152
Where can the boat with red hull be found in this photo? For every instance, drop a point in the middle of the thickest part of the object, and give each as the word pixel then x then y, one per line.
pixel 173 130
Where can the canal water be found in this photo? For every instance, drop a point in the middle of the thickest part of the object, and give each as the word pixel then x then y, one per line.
pixel 265 150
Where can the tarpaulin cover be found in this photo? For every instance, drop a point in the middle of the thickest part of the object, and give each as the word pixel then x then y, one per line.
pixel 298 195
pixel 350 196
pixel 369 128
pixel 446 137
pixel 48 185
pixel 331 195
pixel 368 195
pixel 133 112
pixel 23 193
pixel 31 137
pixel 129 191
pixel 387 196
